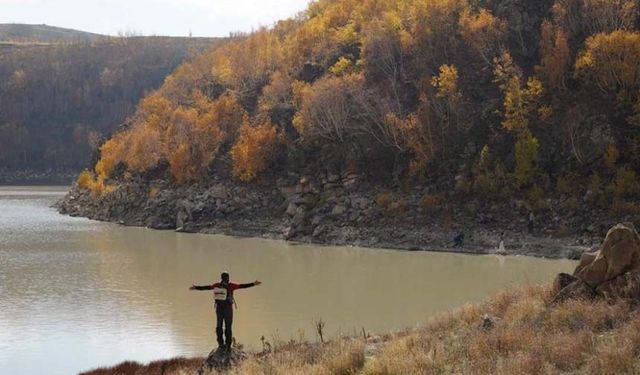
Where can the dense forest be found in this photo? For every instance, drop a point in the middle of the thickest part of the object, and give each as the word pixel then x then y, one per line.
pixel 62 92
pixel 498 98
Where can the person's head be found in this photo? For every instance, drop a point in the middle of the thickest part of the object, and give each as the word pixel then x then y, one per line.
pixel 224 276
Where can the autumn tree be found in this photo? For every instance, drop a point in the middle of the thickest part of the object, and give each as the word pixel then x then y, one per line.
pixel 256 148
pixel 582 18
pixel 555 56
pixel 611 61
pixel 430 130
pixel 483 32
pixel 326 109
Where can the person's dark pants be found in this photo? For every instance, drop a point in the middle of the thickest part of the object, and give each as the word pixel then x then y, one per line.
pixel 224 315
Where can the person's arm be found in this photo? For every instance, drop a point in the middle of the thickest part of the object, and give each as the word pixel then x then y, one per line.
pixel 248 285
pixel 203 287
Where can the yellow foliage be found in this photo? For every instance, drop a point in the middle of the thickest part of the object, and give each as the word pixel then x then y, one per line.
pixel 347 35
pixel 88 181
pixel 612 61
pixel 483 32
pixel 446 82
pixel 255 149
pixel 111 153
pixel 520 103
pixel 342 66
pixel 85 179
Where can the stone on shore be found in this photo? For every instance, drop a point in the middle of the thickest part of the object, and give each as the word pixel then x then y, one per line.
pixel 220 359
pixel 613 271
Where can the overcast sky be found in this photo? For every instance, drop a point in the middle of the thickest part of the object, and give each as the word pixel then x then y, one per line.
pixel 161 17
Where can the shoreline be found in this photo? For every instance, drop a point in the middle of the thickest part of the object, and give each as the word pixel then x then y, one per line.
pixel 324 217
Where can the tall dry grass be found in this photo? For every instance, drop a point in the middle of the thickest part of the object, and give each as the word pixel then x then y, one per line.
pixel 525 333
pixel 528 335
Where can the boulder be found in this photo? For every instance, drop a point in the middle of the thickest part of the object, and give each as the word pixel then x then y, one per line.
pixel 620 253
pixel 221 360
pixel 613 271
pixel 575 290
pixel 626 286
pixel 562 281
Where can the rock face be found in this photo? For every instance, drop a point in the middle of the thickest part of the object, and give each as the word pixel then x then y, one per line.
pixel 613 271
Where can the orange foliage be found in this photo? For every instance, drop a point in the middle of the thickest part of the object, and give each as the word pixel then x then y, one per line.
pixel 612 62
pixel 111 153
pixel 256 148
pixel 180 166
pixel 145 149
pixel 556 56
pixel 483 32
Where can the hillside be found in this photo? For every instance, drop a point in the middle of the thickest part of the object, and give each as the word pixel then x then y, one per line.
pixel 59 100
pixel 22 33
pixel 407 117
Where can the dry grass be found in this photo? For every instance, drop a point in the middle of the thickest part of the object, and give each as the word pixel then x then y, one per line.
pixel 527 335
pixel 175 366
pixel 342 357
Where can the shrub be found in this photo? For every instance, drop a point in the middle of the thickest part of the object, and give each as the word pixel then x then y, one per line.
pixel 85 179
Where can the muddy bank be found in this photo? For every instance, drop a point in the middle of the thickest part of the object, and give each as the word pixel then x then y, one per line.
pixel 342 210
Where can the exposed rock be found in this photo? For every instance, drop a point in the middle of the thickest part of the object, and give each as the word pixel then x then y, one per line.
pixel 292 209
pixel 220 360
pixel 562 281
pixel 625 286
pixel 613 271
pixel 575 290
pixel 320 212
pixel 338 210
pixel 620 253
pixel 319 230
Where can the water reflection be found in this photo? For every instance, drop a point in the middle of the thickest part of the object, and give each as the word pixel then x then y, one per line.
pixel 82 293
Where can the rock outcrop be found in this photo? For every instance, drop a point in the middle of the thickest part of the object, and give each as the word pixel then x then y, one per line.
pixel 220 359
pixel 612 271
pixel 328 208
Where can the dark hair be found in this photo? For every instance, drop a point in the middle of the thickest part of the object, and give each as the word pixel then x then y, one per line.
pixel 224 276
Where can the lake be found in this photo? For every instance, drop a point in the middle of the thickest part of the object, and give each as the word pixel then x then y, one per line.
pixel 76 294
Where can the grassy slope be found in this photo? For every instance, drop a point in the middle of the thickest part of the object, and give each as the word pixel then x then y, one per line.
pixel 529 335
pixel 43 33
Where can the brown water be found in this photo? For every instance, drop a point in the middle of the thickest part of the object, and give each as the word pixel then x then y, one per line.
pixel 75 294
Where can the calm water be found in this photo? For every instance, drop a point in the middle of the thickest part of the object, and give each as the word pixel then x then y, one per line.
pixel 75 294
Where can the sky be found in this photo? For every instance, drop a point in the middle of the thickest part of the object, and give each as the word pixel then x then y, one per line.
pixel 152 17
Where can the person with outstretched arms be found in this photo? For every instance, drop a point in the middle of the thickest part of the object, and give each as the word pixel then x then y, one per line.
pixel 223 296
